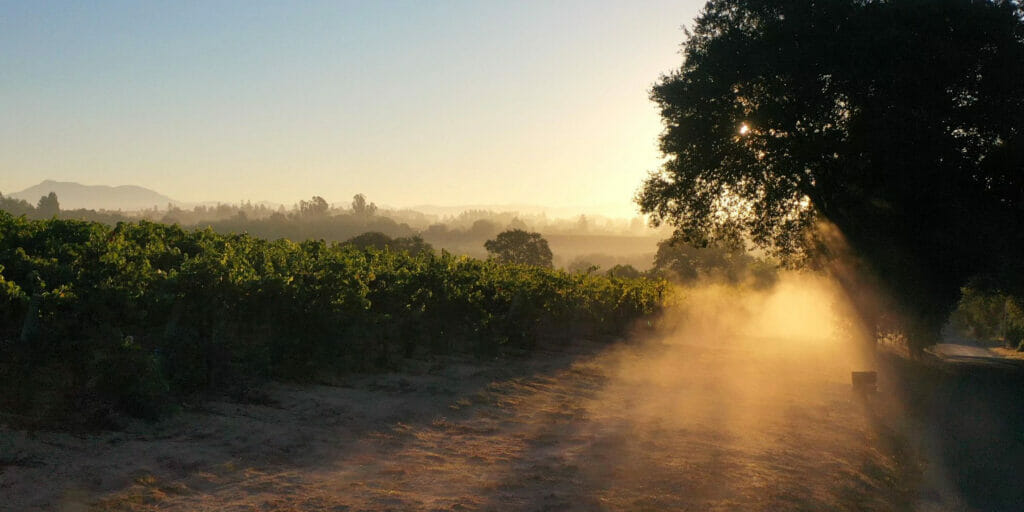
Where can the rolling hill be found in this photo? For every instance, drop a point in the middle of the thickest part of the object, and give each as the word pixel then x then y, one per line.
pixel 75 195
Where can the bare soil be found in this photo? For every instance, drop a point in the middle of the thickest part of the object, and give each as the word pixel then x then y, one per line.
pixel 634 426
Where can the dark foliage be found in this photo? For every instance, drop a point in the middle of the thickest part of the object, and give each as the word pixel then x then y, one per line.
pixel 15 206
pixel 97 319
pixel 684 263
pixel 624 271
pixel 520 247
pixel 380 242
pixel 990 316
pixel 898 122
pixel 48 206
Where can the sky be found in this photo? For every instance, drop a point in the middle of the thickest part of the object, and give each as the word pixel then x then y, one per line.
pixel 424 102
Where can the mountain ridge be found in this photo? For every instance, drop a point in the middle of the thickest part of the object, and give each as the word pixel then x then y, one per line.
pixel 73 195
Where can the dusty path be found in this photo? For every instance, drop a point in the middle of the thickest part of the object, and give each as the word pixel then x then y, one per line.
pixel 744 405
pixel 659 426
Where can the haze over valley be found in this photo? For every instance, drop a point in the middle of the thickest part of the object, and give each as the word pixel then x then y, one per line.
pixel 484 255
pixel 579 239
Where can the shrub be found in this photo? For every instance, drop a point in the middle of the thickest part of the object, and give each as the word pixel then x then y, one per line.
pixel 133 315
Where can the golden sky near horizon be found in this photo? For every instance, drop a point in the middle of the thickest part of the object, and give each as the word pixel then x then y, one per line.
pixel 444 103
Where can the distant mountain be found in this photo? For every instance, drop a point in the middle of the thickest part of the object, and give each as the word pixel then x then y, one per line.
pixel 75 195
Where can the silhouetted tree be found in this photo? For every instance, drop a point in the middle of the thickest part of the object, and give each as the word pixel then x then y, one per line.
pixel 411 244
pixel 581 265
pixel 517 223
pixel 624 271
pixel 484 228
pixel 48 206
pixel 372 239
pixel 361 207
pixel 518 246
pixel 15 207
pixel 380 241
pixel 684 263
pixel 898 122
pixel 315 207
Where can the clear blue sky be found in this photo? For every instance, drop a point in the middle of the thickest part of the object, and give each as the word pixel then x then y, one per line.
pixel 427 102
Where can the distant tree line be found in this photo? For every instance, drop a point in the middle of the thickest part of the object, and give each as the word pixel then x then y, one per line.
pixel 47 207
pixel 361 226
pixel 317 218
pixel 472 223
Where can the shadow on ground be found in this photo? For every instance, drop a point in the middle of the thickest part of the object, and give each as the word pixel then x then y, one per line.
pixel 662 425
pixel 969 421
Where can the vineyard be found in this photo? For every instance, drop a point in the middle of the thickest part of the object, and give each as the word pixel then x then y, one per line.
pixel 133 319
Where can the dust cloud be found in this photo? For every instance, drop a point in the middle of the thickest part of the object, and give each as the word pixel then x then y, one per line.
pixel 743 398
pixel 737 399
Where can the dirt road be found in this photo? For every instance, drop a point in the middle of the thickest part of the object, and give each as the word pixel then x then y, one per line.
pixel 635 427
pixel 708 418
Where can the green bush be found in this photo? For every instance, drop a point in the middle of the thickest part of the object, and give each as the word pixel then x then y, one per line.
pixel 207 312
pixel 990 315
pixel 130 379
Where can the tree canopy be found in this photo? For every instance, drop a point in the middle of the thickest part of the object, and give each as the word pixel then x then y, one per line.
pixel 315 207
pixel 899 122
pixel 684 263
pixel 96 319
pixel 379 241
pixel 520 247
pixel 48 206
pixel 361 207
pixel 15 206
